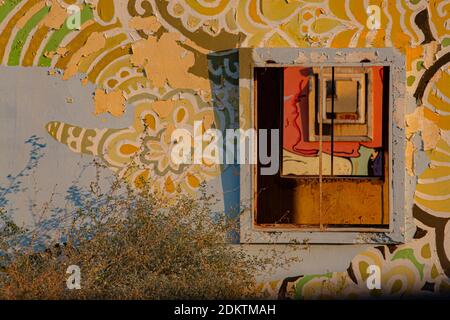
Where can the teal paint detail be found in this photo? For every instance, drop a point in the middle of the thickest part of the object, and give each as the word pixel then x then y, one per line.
pixel 361 163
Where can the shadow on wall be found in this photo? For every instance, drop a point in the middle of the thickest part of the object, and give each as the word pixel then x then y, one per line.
pixel 48 218
pixel 223 70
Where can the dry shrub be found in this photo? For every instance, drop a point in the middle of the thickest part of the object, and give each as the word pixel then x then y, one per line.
pixel 134 245
pixel 128 243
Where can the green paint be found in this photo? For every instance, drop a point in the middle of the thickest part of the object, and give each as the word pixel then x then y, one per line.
pixel 434 272
pixel 446 42
pixel 410 80
pixel 363 266
pixel 360 164
pixel 409 255
pixel 56 38
pixel 6 8
pixel 300 284
pixel 414 1
pixel 22 35
pixel 419 65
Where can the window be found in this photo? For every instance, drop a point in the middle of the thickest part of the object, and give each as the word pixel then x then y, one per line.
pixel 333 159
pixel 335 182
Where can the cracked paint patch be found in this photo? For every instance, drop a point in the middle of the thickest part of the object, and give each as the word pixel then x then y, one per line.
pixel 94 43
pixel 112 102
pixel 56 16
pixel 147 24
pixel 155 55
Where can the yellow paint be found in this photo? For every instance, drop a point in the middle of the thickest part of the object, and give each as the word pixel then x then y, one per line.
pixel 441 188
pixel 438 103
pixel 29 14
pixel 95 42
pixel 169 185
pixel 435 173
pixel 434 272
pixel 276 40
pixel 128 149
pixel 105 10
pixel 426 251
pixel 434 204
pixel 217 8
pixel 425 121
pixel 409 158
pixel 278 10
pixel 56 16
pixel 193 181
pixel 118 55
pixel 443 84
pixel 181 114
pixel 111 42
pixel 438 18
pixel 112 102
pixel 342 40
pixel 443 122
pixel 337 7
pixel 112 83
pixel 113 69
pixel 147 24
pixel 163 107
pixel 323 25
pixel 141 180
pixel 155 55
pixel 150 121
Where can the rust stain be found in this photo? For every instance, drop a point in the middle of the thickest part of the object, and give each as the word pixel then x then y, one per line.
pixel 367 208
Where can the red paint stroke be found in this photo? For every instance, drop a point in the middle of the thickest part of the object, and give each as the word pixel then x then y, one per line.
pixel 296 112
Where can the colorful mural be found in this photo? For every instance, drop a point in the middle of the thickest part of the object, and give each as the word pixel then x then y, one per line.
pixel 164 62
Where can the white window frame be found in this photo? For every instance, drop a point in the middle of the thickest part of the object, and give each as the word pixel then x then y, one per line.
pixel 400 183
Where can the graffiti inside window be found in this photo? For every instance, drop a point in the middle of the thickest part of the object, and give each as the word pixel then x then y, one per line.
pixel 333 149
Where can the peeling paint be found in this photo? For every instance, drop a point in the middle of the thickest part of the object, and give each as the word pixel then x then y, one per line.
pixel 154 55
pixel 94 43
pixel 147 24
pixel 56 16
